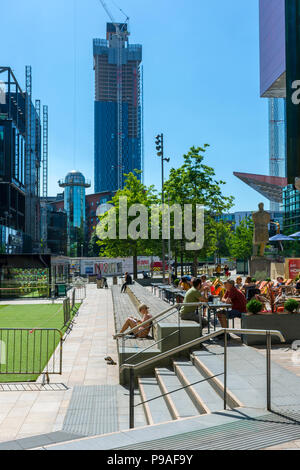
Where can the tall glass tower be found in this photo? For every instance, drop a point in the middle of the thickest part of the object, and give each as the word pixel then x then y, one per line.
pixel 118 108
pixel 75 185
pixel 277 141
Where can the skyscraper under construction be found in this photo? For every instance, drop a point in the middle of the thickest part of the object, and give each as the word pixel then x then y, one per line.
pixel 118 108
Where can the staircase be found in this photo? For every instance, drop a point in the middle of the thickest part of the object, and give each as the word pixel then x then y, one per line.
pixel 195 386
pixel 193 416
pixel 184 390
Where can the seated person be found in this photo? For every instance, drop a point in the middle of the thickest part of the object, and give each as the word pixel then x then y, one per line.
pixel 218 269
pixel 131 322
pixel 236 299
pixel 239 283
pixel 192 296
pixel 127 282
pixel 280 282
pixel 226 270
pixel 184 284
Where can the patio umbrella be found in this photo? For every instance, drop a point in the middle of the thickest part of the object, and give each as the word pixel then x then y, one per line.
pixel 281 238
pixel 296 235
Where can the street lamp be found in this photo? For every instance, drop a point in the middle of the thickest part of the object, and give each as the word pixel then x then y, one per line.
pixel 159 142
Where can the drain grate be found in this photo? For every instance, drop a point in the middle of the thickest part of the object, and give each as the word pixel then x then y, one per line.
pixel 92 410
pixel 33 387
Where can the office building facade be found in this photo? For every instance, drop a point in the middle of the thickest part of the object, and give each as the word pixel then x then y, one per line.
pixel 20 157
pixel 118 108
pixel 75 186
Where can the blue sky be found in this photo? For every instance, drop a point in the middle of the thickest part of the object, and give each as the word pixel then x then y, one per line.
pixel 201 81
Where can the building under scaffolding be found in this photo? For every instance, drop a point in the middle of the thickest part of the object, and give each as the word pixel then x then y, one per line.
pixel 20 161
pixel 118 108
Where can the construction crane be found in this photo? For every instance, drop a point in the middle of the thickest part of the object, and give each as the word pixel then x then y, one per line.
pixel 119 89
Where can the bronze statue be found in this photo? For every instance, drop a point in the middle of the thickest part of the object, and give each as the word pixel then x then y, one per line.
pixel 261 221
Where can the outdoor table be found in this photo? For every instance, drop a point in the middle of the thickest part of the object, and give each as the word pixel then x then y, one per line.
pixel 161 287
pixel 154 286
pixel 214 308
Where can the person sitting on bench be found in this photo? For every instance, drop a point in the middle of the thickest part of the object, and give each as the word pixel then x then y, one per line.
pixel 131 322
pixel 128 282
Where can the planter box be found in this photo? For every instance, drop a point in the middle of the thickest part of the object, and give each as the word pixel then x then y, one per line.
pixel 287 323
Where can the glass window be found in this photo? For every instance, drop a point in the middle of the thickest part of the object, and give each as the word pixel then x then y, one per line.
pixel 1 150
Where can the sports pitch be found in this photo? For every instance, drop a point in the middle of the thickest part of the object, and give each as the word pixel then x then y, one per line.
pixel 28 352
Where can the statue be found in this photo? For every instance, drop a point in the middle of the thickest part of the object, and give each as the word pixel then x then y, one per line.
pixel 261 221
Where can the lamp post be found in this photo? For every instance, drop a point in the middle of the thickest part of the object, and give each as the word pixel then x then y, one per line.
pixel 159 141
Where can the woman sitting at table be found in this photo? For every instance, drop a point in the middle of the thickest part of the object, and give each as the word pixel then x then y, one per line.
pixel 184 284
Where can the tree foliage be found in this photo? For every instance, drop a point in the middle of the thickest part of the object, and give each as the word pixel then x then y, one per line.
pixel 241 241
pixel 196 183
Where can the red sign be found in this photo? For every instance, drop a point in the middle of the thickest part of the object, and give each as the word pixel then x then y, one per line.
pixel 294 268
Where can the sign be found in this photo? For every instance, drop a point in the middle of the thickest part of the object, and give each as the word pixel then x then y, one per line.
pixel 293 268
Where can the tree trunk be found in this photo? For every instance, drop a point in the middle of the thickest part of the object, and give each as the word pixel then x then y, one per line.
pixel 176 262
pixel 135 271
pixel 195 265
pixel 181 259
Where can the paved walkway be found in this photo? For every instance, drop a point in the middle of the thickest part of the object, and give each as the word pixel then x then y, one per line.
pixel 24 414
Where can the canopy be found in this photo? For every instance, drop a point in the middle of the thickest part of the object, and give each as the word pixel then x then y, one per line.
pixel 281 238
pixel 296 235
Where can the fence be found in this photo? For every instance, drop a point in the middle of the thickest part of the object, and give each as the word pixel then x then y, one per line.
pixel 30 352
pixel 67 310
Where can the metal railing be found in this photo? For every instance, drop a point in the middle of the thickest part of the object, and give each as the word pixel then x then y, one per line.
pixel 25 351
pixel 196 342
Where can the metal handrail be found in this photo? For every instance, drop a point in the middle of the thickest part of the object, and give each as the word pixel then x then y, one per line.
pixel 268 333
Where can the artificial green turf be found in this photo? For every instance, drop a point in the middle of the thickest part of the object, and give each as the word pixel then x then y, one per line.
pixel 29 352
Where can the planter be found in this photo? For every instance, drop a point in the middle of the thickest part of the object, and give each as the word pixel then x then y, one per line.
pixel 287 323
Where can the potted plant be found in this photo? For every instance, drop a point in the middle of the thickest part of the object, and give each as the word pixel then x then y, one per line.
pixel 291 305
pixel 254 306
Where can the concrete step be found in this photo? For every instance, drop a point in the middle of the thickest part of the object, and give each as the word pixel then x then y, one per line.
pixel 204 396
pixel 156 411
pixel 246 378
pixel 178 402
pixel 231 429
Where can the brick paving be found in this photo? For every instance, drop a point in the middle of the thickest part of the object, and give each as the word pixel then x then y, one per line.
pixel 24 414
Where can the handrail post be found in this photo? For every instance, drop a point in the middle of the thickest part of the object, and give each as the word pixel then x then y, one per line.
pixel 225 369
pixel 269 346
pixel 131 398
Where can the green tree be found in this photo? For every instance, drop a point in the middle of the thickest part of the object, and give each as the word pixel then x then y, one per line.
pixel 195 183
pixel 136 193
pixel 93 248
pixel 241 242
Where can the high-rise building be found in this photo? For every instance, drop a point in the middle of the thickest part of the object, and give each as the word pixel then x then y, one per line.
pixel 280 72
pixel 277 142
pixel 118 108
pixel 20 156
pixel 75 185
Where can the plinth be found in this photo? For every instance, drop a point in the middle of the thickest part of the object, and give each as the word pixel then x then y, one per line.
pixel 260 268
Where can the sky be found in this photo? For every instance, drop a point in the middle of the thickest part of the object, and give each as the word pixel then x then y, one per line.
pixel 201 81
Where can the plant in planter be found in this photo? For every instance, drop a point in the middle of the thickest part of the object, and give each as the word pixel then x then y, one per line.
pixel 291 305
pixel 254 306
